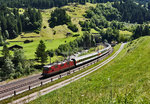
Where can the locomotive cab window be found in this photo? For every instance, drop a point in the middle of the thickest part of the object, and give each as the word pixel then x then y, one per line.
pixel 46 68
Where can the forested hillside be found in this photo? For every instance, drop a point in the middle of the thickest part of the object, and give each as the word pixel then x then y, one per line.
pixel 39 3
pixel 53 3
pixel 12 23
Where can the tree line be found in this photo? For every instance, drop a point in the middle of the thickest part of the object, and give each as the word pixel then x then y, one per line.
pixel 131 12
pixel 43 4
pixel 141 30
pixel 12 23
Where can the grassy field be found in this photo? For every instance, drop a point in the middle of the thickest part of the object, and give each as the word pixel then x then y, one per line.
pixel 30 48
pixel 125 33
pixel 124 80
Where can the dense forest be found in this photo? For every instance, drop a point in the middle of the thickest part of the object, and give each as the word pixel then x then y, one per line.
pixel 131 12
pixel 51 3
pixel 121 11
pixel 12 23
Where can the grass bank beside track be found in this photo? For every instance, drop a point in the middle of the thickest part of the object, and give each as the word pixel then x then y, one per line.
pixel 124 80
pixel 57 81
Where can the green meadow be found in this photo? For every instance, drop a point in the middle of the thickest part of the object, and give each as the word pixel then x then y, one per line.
pixel 125 80
pixel 30 48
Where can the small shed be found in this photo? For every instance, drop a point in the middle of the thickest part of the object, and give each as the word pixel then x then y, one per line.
pixel 28 41
pixel 15 47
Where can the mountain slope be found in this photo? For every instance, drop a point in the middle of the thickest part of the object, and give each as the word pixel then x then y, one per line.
pixel 124 80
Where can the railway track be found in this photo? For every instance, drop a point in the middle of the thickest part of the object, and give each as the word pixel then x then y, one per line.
pixel 17 87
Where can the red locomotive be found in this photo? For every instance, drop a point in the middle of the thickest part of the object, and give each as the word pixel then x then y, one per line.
pixel 58 67
pixel 62 66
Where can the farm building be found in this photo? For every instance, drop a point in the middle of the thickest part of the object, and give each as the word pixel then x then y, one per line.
pixel 15 47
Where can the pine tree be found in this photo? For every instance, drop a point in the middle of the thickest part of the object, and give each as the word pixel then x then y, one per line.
pixel 8 69
pixel 41 53
pixel 146 31
pixel 3 23
pixel 149 5
pixel 1 39
pixel 19 68
pixel 19 57
pixel 19 25
pixel 5 52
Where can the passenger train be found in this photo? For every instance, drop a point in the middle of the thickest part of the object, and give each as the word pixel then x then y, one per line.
pixel 74 62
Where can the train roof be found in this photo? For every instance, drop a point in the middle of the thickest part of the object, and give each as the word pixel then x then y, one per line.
pixel 57 63
pixel 89 55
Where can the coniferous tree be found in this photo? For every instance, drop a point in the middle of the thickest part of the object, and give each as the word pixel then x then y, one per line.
pixel 12 23
pixel 41 53
pixel 148 5
pixel 1 39
pixel 7 69
pixel 146 31
pixel 19 24
pixel 19 57
pixel 5 52
pixel 3 23
pixel 19 70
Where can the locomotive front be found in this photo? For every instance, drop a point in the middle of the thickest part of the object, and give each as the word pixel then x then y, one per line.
pixel 45 70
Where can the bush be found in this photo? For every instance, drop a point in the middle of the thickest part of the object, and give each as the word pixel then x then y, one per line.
pixel 28 41
pixel 72 27
pixel 37 31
